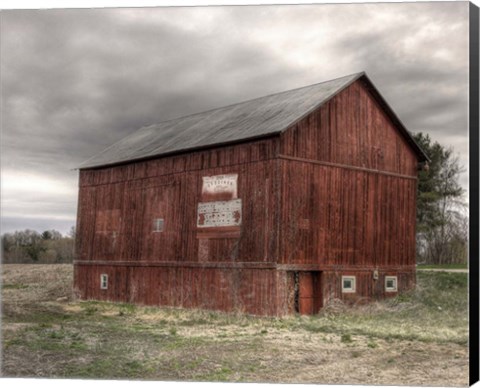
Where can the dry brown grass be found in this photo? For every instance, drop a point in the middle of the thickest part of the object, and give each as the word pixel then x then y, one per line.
pixel 380 343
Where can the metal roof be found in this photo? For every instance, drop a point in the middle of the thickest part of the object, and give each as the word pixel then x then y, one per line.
pixel 260 117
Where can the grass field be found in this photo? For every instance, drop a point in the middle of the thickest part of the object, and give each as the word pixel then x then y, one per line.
pixel 415 339
pixel 442 266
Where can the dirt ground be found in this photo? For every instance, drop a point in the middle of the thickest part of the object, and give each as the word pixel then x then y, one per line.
pixel 46 333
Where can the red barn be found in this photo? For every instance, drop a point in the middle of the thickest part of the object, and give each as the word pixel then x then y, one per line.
pixel 272 206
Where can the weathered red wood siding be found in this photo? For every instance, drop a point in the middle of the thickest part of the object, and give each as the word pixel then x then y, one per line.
pixel 246 290
pixel 117 207
pixel 349 197
pixel 351 130
pixel 339 217
pixel 225 268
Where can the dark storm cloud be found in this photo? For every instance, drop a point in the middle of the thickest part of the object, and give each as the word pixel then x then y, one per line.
pixel 78 80
pixel 75 81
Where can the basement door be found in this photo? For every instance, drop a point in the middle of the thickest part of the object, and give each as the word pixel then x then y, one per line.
pixel 308 292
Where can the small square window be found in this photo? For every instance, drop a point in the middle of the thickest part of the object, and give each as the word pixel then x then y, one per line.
pixel 390 283
pixel 348 283
pixel 158 225
pixel 103 281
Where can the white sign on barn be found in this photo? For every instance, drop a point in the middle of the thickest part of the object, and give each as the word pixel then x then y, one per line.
pixel 221 213
pixel 220 184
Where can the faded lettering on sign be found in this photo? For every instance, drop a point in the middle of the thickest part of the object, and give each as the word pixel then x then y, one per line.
pixel 221 213
pixel 220 184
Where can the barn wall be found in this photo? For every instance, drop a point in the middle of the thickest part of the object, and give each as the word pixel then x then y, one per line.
pixel 367 288
pixel 339 217
pixel 226 289
pixel 223 268
pixel 352 130
pixel 118 206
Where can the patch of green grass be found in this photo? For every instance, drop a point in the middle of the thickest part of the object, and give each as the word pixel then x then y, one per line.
pixel 346 338
pixel 194 364
pixel 91 307
pixel 141 327
pixel 442 291
pixel 133 368
pixel 98 368
pixel 86 303
pixel 56 334
pixel 126 309
pixel 319 326
pixel 41 338
pixel 178 342
pixel 91 310
pixel 78 345
pixel 445 281
pixel 194 322
pixel 43 317
pixel 97 308
pixel 18 341
pixel 442 266
pixel 109 367
pixel 15 286
pixel 221 374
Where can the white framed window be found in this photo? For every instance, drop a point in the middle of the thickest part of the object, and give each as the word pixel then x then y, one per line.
pixel 103 281
pixel 348 283
pixel 390 283
pixel 158 224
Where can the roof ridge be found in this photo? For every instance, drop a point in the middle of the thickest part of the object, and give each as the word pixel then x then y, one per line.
pixel 359 74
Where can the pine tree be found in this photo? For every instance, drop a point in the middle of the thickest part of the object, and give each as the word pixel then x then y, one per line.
pixel 439 201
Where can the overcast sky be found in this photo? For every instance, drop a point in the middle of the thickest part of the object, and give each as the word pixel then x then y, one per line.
pixel 75 81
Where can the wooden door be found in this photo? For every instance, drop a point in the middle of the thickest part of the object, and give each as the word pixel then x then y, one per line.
pixel 309 292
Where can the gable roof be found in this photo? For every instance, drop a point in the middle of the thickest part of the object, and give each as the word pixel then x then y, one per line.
pixel 252 119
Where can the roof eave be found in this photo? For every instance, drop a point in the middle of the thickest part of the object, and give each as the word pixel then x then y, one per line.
pixel 178 152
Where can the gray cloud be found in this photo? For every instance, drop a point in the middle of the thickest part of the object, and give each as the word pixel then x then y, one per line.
pixel 75 81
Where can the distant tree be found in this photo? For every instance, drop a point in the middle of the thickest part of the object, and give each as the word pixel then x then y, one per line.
pixel 51 235
pixel 10 250
pixel 47 235
pixel 48 256
pixel 33 245
pixel 64 249
pixel 73 232
pixel 28 245
pixel 440 206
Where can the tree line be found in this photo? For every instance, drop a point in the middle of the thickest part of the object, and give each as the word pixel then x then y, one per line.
pixel 30 246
